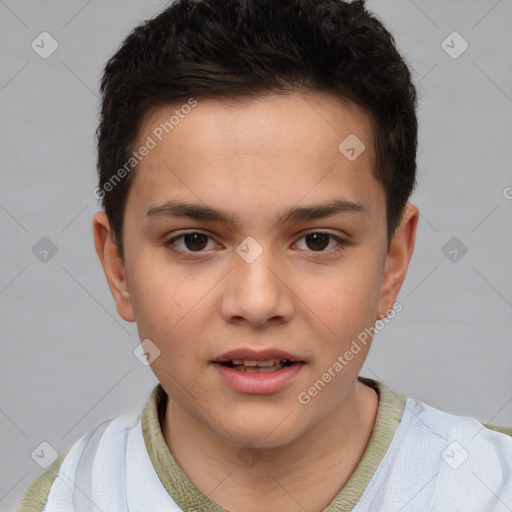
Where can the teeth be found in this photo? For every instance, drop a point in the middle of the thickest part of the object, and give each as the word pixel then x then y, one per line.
pixel 248 365
pixel 271 362
pixel 248 362
pixel 258 369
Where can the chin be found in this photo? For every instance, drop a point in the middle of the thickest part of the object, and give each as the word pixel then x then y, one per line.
pixel 262 431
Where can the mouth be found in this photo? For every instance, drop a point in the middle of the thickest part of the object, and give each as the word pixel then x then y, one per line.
pixel 259 372
pixel 257 361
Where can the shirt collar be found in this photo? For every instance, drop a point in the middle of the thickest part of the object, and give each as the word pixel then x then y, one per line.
pixel 189 497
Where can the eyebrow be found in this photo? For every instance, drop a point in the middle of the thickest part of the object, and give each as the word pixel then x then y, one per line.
pixel 177 209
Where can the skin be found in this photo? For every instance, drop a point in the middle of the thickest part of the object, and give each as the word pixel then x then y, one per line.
pixel 255 159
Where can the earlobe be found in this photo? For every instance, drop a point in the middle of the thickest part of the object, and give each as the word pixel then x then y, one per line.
pixel 398 258
pixel 113 266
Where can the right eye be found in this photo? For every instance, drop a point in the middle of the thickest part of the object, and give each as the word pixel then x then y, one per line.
pixel 190 242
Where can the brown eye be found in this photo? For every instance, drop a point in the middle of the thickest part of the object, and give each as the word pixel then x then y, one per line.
pixel 321 242
pixel 193 241
pixel 317 241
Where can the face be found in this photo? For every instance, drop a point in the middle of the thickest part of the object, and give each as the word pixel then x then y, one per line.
pixel 250 238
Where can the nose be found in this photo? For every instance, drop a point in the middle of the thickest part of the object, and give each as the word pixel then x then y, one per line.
pixel 257 292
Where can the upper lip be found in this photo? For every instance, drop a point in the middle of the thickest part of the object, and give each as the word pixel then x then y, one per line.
pixel 255 355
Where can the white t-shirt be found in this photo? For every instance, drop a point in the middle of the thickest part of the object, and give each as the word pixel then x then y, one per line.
pixel 431 461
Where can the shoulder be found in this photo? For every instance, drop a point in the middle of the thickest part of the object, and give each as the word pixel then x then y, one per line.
pixel 499 428
pixel 35 497
pixel 448 426
pixel 467 457
pixel 441 461
pixel 485 443
pixel 111 435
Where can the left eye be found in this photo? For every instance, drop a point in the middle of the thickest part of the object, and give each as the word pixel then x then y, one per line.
pixel 317 241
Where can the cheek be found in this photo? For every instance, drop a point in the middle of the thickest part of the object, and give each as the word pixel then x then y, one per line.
pixel 165 296
pixel 347 301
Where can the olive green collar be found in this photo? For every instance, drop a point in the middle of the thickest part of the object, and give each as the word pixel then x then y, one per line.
pixel 189 497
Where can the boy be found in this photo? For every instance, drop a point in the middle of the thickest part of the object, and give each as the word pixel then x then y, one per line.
pixel 256 159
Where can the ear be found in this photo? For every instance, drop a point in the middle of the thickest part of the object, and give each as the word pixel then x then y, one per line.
pixel 398 257
pixel 113 266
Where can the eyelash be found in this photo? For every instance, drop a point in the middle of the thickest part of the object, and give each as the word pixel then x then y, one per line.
pixel 170 243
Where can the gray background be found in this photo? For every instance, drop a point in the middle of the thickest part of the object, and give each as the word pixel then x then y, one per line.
pixel 67 360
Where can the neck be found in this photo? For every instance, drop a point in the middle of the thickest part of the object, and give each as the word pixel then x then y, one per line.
pixel 274 479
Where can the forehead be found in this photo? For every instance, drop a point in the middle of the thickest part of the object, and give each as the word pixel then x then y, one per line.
pixel 262 124
pixel 272 150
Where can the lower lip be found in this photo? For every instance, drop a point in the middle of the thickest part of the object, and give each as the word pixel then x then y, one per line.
pixel 257 383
